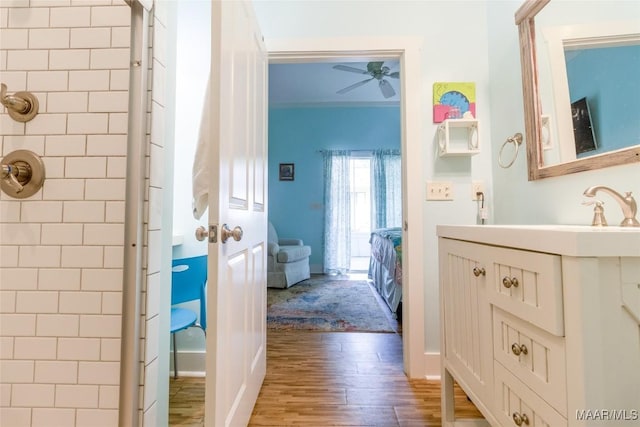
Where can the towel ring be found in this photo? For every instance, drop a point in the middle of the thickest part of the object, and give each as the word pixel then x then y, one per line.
pixel 516 140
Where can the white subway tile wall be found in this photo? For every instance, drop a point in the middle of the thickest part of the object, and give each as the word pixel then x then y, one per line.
pixel 151 310
pixel 61 250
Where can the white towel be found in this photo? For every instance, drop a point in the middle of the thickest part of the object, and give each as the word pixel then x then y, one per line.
pixel 200 171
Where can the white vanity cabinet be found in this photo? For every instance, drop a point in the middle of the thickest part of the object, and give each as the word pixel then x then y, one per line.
pixel 541 325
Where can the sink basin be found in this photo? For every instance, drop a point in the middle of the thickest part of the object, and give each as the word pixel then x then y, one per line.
pixel 572 240
pixel 569 228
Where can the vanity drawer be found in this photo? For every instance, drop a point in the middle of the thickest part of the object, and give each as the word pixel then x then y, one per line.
pixel 527 285
pixel 534 356
pixel 513 399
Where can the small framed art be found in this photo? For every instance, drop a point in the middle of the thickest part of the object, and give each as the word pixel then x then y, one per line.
pixel 286 171
pixel 585 138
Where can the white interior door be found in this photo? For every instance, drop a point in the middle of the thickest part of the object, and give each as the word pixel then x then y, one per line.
pixel 236 296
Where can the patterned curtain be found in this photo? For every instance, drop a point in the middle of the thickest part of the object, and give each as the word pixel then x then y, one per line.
pixel 337 224
pixel 387 188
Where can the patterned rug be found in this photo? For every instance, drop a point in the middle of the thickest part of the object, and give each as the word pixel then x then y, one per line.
pixel 319 304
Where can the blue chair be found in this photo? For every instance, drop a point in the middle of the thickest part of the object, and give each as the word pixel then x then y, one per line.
pixel 188 281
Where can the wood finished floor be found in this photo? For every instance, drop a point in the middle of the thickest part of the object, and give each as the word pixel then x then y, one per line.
pixel 330 379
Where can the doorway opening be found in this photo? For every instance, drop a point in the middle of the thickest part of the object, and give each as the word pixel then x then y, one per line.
pixel 416 362
pixel 407 52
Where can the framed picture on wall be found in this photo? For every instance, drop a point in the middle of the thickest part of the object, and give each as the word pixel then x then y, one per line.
pixel 582 128
pixel 286 171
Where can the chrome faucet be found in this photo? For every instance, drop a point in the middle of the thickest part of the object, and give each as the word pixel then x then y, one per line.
pixel 627 204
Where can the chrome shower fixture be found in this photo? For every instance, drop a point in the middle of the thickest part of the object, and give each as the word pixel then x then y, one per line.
pixel 22 174
pixel 21 106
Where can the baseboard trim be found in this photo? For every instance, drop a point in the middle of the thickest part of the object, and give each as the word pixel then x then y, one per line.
pixel 432 366
pixel 190 363
pixel 316 269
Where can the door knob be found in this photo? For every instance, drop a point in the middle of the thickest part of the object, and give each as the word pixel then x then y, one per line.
pixel 201 233
pixel 225 233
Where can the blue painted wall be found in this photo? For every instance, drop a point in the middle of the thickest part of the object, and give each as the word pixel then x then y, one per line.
pixel 608 78
pixel 295 136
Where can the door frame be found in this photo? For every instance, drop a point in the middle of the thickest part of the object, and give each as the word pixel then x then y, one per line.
pixel 407 50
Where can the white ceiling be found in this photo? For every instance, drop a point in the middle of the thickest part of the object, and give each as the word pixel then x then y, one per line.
pixel 317 84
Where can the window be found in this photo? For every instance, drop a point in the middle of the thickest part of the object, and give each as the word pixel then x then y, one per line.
pixel 360 182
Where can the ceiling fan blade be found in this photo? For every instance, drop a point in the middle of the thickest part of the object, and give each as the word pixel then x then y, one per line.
pixel 350 69
pixel 386 89
pixel 394 75
pixel 353 86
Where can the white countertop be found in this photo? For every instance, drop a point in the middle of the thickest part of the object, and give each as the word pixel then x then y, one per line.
pixel 570 240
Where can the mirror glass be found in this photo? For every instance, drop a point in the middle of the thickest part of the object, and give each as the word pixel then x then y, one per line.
pixel 587 57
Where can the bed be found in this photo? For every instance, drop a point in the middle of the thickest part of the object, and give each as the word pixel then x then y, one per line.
pixel 385 265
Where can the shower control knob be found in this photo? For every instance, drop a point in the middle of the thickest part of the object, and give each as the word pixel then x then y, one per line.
pixel 22 174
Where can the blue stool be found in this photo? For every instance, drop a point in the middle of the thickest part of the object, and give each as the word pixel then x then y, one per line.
pixel 188 281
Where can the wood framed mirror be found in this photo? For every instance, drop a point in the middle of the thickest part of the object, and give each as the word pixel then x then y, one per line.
pixel 553 103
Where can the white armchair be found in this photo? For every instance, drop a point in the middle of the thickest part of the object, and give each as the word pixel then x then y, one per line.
pixel 287 260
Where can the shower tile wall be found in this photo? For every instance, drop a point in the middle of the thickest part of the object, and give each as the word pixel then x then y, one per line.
pixel 155 184
pixel 61 250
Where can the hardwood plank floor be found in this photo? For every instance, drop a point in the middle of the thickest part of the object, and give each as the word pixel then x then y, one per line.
pixel 323 379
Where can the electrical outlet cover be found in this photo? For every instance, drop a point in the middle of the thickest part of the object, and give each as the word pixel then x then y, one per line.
pixel 477 187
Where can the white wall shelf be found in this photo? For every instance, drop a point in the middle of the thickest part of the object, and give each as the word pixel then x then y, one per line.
pixel 458 137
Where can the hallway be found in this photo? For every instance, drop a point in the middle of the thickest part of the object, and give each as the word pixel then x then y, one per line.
pixel 319 379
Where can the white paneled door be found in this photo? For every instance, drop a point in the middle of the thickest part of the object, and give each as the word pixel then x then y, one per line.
pixel 236 297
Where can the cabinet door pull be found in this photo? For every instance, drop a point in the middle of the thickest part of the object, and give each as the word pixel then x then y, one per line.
pixel 479 271
pixel 519 348
pixel 520 419
pixel 508 282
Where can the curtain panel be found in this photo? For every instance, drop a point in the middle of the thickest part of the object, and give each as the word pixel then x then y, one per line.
pixel 387 188
pixel 337 224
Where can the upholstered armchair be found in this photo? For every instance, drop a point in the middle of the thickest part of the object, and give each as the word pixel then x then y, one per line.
pixel 287 260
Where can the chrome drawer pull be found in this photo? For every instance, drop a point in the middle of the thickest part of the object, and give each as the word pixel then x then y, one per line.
pixel 517 349
pixel 479 271
pixel 520 419
pixel 507 282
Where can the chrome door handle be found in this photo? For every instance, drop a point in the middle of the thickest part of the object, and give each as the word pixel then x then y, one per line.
pixel 225 233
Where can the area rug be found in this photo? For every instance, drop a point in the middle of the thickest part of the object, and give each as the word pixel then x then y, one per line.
pixel 326 305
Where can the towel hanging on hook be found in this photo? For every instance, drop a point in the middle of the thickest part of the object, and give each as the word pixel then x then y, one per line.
pixel 200 171
pixel 516 140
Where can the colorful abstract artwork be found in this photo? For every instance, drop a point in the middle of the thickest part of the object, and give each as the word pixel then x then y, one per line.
pixel 454 100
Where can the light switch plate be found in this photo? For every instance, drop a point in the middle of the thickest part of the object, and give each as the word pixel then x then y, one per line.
pixel 439 190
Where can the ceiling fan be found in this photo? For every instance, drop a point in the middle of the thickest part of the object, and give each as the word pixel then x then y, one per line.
pixel 377 71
